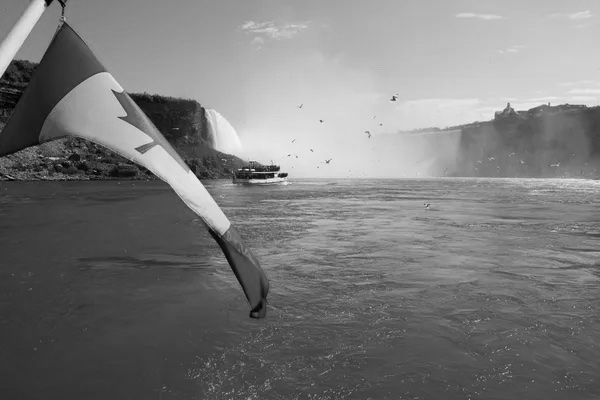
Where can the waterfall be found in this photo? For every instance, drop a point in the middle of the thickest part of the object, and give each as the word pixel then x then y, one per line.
pixel 223 136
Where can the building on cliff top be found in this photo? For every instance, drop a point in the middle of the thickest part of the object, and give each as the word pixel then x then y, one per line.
pixel 508 113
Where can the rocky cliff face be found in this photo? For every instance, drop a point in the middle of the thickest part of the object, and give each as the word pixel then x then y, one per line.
pixel 560 141
pixel 182 122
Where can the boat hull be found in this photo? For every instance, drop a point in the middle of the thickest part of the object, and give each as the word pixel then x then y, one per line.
pixel 267 181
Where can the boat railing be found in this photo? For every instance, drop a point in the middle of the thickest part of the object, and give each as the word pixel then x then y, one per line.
pixel 255 167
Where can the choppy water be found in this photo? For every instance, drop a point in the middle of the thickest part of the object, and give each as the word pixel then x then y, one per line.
pixel 113 290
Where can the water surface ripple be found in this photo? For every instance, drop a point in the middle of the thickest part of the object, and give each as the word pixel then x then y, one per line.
pixel 115 290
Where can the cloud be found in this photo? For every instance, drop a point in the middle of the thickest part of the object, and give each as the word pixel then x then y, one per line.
pixel 573 16
pixel 545 99
pixel 436 112
pixel 258 41
pixel 511 49
pixel 584 91
pixel 579 83
pixel 584 98
pixel 486 17
pixel 269 30
pixel 581 15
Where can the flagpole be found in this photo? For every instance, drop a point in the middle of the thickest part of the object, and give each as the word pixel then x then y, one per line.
pixel 17 35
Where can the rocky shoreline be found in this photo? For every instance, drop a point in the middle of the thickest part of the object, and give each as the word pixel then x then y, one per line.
pixel 76 159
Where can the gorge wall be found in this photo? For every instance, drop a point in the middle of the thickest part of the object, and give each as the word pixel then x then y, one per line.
pixel 543 142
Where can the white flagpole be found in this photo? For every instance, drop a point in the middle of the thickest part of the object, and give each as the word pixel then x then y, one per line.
pixel 15 38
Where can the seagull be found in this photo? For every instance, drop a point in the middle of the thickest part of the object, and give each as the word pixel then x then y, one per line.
pixel 368 134
pixel 393 98
pixel 380 124
pixel 311 150
pixel 300 106
pixel 293 140
pixel 328 161
pixel 554 165
pixel 511 154
pixel 426 206
pixel 491 158
pixel 321 121
pixel 522 162
pixel 374 116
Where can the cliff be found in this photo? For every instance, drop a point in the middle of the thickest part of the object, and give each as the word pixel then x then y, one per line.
pixel 182 122
pixel 545 141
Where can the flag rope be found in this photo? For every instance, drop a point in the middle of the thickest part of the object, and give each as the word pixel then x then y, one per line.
pixel 62 19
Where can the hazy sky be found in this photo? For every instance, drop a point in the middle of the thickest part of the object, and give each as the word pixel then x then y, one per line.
pixel 450 62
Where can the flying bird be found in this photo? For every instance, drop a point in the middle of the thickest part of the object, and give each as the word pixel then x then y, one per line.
pixel 311 150
pixel 368 134
pixel 321 121
pixel 374 116
pixel 426 206
pixel 293 140
pixel 300 106
pixel 554 165
pixel 328 161
pixel 491 158
pixel 394 98
pixel 380 124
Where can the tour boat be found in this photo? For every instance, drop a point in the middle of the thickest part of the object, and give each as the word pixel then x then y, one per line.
pixel 257 174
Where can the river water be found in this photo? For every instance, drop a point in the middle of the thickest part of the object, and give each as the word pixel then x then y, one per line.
pixel 114 290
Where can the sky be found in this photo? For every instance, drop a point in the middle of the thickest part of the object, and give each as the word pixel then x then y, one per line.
pixel 255 62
